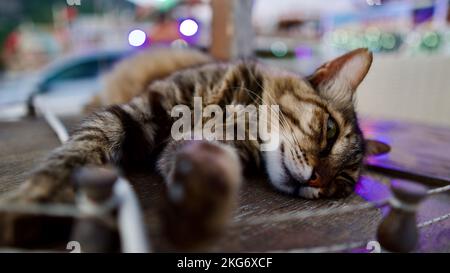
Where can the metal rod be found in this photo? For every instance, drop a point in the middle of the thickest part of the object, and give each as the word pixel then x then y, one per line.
pixel 131 225
pixel 56 210
pixel 56 125
pixel 434 220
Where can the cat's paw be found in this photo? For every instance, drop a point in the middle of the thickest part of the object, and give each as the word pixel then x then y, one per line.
pixel 19 227
pixel 201 193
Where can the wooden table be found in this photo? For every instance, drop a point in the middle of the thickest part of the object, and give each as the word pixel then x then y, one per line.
pixel 421 149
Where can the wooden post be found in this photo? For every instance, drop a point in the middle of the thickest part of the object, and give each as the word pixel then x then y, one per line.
pixel 93 231
pixel 398 230
pixel 232 30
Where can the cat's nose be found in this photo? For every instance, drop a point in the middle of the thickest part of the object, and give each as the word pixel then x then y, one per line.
pixel 315 180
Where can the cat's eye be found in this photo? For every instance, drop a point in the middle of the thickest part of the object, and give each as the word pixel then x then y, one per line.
pixel 331 134
pixel 331 128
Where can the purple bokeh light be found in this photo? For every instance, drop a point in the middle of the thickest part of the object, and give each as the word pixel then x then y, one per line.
pixel 188 27
pixel 137 37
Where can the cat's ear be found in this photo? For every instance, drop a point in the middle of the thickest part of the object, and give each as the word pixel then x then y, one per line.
pixel 338 79
pixel 375 147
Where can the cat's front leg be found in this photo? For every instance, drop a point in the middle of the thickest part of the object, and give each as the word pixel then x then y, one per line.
pixel 20 229
pixel 103 138
pixel 202 182
pixel 51 182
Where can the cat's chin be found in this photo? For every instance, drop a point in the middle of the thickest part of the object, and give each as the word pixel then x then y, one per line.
pixel 293 187
pixel 284 182
pixel 302 191
pixel 309 192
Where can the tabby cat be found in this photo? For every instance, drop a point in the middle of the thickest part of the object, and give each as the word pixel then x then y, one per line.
pixel 321 147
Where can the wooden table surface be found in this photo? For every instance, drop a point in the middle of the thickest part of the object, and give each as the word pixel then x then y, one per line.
pixel 421 149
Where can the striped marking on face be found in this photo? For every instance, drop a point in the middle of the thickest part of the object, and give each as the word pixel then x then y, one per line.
pixel 303 135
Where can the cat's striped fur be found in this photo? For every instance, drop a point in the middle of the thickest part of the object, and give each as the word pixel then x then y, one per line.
pixel 308 163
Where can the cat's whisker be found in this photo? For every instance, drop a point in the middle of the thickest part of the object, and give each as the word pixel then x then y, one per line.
pixel 283 122
pixel 268 94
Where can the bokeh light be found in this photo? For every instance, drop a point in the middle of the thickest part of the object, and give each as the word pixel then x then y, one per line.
pixel 137 37
pixel 188 27
pixel 431 39
pixel 388 41
pixel 279 49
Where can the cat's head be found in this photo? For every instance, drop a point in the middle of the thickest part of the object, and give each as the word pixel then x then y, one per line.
pixel 321 146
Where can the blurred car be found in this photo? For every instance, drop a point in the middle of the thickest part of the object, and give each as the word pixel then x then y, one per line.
pixel 64 87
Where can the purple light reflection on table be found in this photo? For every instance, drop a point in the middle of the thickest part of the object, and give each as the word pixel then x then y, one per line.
pixel 373 190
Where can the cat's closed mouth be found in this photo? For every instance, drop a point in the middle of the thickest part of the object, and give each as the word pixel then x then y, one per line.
pixel 292 182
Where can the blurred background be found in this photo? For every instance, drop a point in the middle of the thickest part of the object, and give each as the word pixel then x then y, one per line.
pixel 59 49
